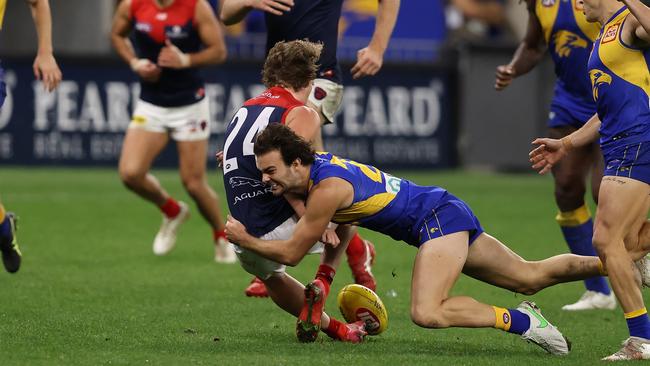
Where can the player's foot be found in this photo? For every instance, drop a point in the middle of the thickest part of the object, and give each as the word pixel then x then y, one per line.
pixel 224 252
pixel 11 255
pixel 361 266
pixel 352 332
pixel 166 238
pixel 593 300
pixel 308 324
pixel 256 289
pixel 643 265
pixel 634 348
pixel 542 332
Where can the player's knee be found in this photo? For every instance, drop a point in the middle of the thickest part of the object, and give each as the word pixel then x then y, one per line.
pixel 569 190
pixel 131 177
pixel 530 279
pixel 428 318
pixel 194 184
pixel 601 240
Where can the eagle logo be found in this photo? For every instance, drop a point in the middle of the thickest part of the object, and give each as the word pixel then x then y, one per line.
pixel 598 78
pixel 566 41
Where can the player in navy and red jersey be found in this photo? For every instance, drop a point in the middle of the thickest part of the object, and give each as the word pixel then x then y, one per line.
pixel 45 69
pixel 318 21
pixel 170 39
pixel 288 73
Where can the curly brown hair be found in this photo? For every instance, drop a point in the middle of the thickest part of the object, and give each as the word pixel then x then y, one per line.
pixel 291 64
pixel 281 138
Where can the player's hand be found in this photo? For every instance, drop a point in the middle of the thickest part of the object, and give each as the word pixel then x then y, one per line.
pixel 330 238
pixel 235 231
pixel 549 152
pixel 46 70
pixel 219 157
pixel 172 57
pixel 369 61
pixel 275 7
pixel 146 69
pixel 504 74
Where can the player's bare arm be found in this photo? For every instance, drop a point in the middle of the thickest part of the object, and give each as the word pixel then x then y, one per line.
pixel 324 199
pixel 211 34
pixel 550 151
pixel 371 58
pixel 637 26
pixel 120 30
pixel 528 54
pixel 304 121
pixel 234 11
pixel 45 67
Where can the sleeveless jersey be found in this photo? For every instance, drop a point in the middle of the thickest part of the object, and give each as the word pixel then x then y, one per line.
pixel 382 203
pixel 620 84
pixel 314 20
pixel 249 200
pixel 3 6
pixel 569 38
pixel 152 26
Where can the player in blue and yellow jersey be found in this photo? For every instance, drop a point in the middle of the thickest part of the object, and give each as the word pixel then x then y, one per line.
pixel 288 73
pixel 562 27
pixel 618 69
pixel 46 70
pixel 449 238
pixel 318 21
pixel 170 40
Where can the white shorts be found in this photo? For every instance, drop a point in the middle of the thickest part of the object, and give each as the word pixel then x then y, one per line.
pixel 262 267
pixel 186 123
pixel 326 96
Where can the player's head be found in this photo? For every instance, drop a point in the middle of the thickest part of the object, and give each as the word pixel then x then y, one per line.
pixel 282 157
pixel 596 10
pixel 291 64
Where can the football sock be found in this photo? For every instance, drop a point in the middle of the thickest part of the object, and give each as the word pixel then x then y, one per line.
pixel 334 328
pixel 170 208
pixel 638 323
pixel 355 247
pixel 578 231
pixel 216 234
pixel 326 274
pixel 511 320
pixel 5 225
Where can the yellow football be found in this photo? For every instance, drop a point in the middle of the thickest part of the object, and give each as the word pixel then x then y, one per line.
pixel 358 302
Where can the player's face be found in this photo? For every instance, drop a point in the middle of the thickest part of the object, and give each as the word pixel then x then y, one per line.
pixel 591 9
pixel 275 172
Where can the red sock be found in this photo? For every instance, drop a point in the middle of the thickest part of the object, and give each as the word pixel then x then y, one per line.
pixel 356 247
pixel 326 274
pixel 333 329
pixel 170 208
pixel 217 234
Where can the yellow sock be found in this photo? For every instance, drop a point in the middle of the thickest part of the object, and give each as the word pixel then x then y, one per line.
pixel 502 317
pixel 601 268
pixel 2 213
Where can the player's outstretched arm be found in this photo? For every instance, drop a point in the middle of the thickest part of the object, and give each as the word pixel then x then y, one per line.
pixel 528 54
pixel 211 34
pixel 371 58
pixel 234 11
pixel 640 20
pixel 45 67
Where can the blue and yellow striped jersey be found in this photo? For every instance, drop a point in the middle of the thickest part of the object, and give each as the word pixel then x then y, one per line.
pixel 3 6
pixel 620 84
pixel 383 203
pixel 569 38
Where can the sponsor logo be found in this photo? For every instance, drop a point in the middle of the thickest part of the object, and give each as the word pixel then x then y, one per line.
pixel 566 41
pixel 372 323
pixel 433 230
pixel 240 181
pixel 598 78
pixel 248 195
pixel 139 120
pixel 319 93
pixel 143 27
pixel 161 16
pixel 548 3
pixel 610 33
pixel 176 32
pixel 204 125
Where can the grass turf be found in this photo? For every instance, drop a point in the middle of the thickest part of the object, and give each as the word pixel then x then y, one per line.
pixel 90 291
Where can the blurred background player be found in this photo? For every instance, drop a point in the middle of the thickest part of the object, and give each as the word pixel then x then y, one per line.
pixel 171 39
pixel 318 21
pixel 46 70
pixel 618 69
pixel 562 27
pixel 288 73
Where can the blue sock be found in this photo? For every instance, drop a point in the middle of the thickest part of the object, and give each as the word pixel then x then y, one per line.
pixel 578 231
pixel 638 325
pixel 5 229
pixel 520 322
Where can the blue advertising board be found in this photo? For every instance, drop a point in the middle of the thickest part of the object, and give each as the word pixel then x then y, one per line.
pixel 402 118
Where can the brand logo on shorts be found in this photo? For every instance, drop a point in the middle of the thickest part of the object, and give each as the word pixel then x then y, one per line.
pixel 204 125
pixel 319 93
pixel 139 120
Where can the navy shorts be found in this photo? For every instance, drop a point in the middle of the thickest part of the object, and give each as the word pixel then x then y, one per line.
pixel 568 110
pixel 451 216
pixel 3 87
pixel 630 161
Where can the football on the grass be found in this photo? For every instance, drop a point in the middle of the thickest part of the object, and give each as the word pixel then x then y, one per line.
pixel 358 302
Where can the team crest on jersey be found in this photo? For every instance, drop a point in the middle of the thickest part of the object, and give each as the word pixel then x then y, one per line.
pixel 548 3
pixel 598 78
pixel 161 17
pixel 566 41
pixel 610 33
pixel 176 32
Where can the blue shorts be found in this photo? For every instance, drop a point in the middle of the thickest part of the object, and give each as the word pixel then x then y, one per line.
pixel 451 216
pixel 569 110
pixel 630 161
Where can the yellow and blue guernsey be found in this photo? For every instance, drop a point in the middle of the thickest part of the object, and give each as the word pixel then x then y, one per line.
pixel 3 6
pixel 569 38
pixel 394 206
pixel 3 86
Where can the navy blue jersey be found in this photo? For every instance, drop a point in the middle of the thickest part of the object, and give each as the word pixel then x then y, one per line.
pixel 314 20
pixel 249 200
pixel 152 26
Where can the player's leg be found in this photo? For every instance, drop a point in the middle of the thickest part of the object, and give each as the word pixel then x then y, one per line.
pixel 570 176
pixel 11 256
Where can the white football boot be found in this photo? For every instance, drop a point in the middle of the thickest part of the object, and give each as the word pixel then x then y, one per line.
pixel 634 348
pixel 166 238
pixel 224 252
pixel 543 333
pixel 593 300
pixel 643 265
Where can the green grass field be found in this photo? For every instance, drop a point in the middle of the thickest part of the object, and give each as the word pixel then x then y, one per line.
pixel 91 292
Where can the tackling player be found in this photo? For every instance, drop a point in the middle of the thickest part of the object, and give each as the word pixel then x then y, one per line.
pixel 449 238
pixel 318 21
pixel 618 69
pixel 288 73
pixel 171 39
pixel 46 70
pixel 561 26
